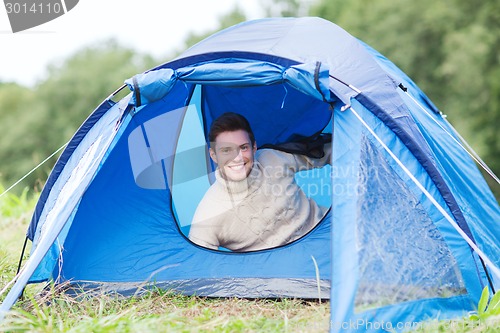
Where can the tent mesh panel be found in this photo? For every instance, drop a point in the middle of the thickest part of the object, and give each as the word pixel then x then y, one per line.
pixel 402 255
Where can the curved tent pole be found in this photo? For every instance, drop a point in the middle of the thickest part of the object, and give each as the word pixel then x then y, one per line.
pixel 346 84
pixel 463 144
pixel 113 94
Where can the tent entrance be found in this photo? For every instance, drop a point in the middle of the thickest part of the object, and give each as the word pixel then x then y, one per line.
pixel 184 169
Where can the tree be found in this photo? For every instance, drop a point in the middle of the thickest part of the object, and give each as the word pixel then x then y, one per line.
pixel 285 8
pixel 15 133
pixel 233 17
pixel 450 48
pixel 35 122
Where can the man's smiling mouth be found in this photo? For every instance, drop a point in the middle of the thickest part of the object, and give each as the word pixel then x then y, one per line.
pixel 237 167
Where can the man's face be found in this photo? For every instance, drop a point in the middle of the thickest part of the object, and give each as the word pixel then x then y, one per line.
pixel 234 154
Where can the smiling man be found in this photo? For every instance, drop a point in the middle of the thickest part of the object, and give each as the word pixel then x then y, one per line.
pixel 234 153
pixel 254 203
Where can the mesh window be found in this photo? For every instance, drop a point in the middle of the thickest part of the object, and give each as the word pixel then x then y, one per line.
pixel 402 255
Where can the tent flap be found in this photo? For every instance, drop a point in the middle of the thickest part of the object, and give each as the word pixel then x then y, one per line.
pixel 311 79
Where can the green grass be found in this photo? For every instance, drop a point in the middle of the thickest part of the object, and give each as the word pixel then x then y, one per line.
pixel 52 311
pixel 15 213
pixel 165 312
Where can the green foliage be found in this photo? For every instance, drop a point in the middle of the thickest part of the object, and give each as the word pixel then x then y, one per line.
pixel 233 17
pixel 14 206
pixel 7 269
pixel 16 130
pixel 37 121
pixel 487 308
pixel 15 212
pixel 450 48
pixel 285 8
pixel 163 312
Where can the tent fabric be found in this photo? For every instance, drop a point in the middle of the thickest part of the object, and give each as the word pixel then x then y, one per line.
pixel 454 174
pixel 359 278
pixel 152 86
pixel 67 153
pixel 115 212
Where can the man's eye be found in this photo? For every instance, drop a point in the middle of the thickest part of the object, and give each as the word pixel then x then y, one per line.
pixel 245 148
pixel 225 150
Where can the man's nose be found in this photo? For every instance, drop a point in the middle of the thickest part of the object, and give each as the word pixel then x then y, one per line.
pixel 239 155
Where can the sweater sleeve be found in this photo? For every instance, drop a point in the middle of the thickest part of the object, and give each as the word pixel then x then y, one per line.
pixel 295 162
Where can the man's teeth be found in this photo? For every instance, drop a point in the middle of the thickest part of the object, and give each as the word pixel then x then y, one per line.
pixel 237 167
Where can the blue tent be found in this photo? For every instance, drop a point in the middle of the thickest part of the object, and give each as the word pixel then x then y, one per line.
pixel 412 232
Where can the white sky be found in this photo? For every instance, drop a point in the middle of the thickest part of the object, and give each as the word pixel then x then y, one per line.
pixel 155 27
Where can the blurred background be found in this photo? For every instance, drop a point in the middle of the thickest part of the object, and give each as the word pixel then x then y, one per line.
pixel 53 76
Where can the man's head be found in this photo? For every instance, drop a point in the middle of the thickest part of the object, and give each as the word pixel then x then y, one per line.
pixel 232 146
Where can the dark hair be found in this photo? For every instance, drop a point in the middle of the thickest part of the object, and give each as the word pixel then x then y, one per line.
pixel 230 122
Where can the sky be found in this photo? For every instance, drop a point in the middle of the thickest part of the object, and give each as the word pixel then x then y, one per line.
pixel 155 27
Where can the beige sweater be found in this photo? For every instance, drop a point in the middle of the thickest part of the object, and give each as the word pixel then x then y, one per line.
pixel 266 210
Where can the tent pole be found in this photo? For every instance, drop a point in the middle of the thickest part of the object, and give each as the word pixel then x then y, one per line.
pixel 22 254
pixel 468 149
pixel 21 260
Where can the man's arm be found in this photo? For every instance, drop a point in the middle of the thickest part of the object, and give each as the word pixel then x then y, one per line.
pixel 295 162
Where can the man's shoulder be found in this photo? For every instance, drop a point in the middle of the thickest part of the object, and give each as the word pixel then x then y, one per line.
pixel 270 153
pixel 269 156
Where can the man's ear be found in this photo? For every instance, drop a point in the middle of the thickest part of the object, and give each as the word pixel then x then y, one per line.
pixel 212 155
pixel 255 147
